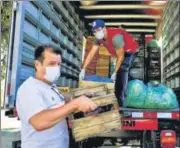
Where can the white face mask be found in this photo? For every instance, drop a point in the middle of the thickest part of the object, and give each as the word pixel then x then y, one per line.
pixel 99 34
pixel 52 73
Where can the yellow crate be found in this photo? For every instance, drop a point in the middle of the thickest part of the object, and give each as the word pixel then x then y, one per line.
pixel 103 51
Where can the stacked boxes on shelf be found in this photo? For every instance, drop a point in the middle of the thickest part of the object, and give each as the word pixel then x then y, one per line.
pixel 171 45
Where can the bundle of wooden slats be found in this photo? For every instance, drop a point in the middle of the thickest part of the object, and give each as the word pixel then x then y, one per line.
pixel 95 124
pixel 90 91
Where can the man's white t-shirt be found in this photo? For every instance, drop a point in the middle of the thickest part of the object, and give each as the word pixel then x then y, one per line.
pixel 34 96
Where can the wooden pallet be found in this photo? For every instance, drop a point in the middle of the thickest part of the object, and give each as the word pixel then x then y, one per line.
pixel 110 91
pixel 92 126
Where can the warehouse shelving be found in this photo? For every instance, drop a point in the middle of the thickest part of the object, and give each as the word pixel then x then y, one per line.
pixel 171 44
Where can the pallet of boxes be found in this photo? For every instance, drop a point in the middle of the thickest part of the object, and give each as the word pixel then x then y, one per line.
pixel 104 119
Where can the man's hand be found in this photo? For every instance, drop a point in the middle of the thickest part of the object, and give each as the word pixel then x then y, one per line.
pixel 84 104
pixel 113 76
pixel 82 74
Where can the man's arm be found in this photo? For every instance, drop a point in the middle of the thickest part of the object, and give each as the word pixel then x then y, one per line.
pixel 118 43
pixel 48 118
pixel 90 56
pixel 120 58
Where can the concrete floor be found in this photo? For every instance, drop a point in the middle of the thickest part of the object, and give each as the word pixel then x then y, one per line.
pixel 10 130
pixel 7 137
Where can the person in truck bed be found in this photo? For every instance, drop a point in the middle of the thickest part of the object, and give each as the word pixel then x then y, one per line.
pixel 120 44
pixel 41 108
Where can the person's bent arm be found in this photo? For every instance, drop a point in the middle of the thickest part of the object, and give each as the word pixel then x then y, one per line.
pixel 90 56
pixel 48 118
pixel 118 42
pixel 120 58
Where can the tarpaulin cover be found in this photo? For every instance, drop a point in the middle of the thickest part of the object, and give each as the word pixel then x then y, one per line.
pixel 152 96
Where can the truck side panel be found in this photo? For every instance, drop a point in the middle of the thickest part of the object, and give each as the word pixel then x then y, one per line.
pixel 38 22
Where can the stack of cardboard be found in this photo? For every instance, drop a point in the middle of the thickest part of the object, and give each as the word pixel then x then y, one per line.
pixel 102 68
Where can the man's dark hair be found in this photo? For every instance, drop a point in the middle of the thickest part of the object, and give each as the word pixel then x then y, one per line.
pixel 39 51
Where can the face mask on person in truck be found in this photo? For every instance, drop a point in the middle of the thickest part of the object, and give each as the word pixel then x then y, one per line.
pixel 99 34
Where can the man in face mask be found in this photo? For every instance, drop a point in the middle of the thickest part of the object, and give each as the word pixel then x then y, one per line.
pixel 120 44
pixel 40 106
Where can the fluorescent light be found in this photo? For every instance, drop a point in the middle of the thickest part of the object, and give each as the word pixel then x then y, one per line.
pixel 118 16
pixel 87 3
pixel 140 30
pixel 129 24
pixel 106 7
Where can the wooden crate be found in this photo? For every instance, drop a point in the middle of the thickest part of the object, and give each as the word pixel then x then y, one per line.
pixel 111 91
pixel 90 91
pixel 92 126
pixel 84 84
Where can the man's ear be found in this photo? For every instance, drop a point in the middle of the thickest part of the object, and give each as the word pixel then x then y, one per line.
pixel 36 64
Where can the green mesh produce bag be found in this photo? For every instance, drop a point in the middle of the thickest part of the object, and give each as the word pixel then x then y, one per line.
pixel 152 96
pixel 136 94
pixel 160 97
